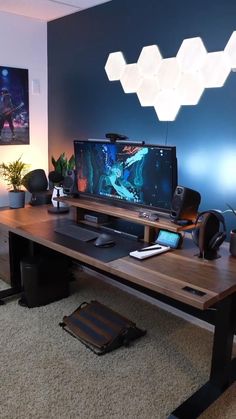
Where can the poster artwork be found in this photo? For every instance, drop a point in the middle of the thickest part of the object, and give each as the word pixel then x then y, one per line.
pixel 14 106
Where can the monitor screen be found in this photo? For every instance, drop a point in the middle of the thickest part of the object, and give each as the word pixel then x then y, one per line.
pixel 134 174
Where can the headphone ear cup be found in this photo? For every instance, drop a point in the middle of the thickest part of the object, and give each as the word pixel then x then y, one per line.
pixel 217 240
pixel 212 243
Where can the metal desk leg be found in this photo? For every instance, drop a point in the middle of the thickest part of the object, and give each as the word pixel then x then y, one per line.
pixel 223 368
pixel 221 375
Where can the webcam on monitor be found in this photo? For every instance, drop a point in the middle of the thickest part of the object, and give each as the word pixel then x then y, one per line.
pixel 113 137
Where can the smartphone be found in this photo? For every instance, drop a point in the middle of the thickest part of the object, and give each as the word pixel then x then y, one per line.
pixel 169 238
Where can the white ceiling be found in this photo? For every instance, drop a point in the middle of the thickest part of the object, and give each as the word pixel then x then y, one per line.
pixel 46 9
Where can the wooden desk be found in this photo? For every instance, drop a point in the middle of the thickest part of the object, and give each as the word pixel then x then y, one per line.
pixel 164 275
pixel 10 218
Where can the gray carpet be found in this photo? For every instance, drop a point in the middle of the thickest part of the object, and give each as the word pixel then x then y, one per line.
pixel 46 373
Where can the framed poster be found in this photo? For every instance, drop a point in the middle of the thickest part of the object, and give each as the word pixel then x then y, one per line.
pixel 14 106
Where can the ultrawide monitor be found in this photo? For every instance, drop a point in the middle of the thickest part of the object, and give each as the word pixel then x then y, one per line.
pixel 143 175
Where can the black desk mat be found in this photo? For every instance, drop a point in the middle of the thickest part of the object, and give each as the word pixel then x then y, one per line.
pixel 75 231
pixel 122 247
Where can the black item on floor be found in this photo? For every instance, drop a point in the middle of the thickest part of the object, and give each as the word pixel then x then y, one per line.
pixel 44 280
pixel 99 328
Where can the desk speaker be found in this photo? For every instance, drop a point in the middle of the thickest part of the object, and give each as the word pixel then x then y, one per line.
pixel 69 183
pixel 184 206
pixel 35 181
pixel 44 280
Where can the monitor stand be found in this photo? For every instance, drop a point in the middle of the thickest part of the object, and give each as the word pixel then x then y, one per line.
pixel 125 228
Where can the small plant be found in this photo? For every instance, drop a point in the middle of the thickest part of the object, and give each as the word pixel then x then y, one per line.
pixel 13 173
pixel 63 164
pixel 231 208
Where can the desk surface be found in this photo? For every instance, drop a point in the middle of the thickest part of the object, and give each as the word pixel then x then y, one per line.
pixel 167 273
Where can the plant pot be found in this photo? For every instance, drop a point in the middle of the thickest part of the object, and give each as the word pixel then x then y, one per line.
pixel 232 243
pixel 16 199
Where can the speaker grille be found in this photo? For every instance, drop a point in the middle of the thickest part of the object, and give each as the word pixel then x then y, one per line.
pixel 185 204
pixel 69 182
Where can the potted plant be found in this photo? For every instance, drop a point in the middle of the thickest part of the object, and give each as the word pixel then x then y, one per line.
pixel 63 164
pixel 13 174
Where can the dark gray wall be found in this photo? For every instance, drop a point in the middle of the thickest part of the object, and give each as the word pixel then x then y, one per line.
pixel 84 104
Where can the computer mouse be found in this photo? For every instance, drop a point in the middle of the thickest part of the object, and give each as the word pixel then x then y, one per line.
pixel 104 240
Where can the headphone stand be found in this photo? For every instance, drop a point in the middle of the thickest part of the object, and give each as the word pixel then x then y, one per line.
pixel 209 255
pixel 58 209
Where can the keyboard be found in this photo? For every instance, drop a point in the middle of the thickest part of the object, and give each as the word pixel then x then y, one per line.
pixel 76 232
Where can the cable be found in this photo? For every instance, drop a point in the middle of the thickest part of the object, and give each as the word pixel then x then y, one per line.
pixel 228 210
pixel 65 3
pixel 167 129
pixel 231 209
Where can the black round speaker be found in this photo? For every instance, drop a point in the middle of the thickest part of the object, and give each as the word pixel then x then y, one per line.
pixel 35 181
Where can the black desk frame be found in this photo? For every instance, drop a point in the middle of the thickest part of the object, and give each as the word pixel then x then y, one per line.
pixel 223 367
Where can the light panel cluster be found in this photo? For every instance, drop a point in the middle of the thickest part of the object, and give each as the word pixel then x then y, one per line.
pixel 169 83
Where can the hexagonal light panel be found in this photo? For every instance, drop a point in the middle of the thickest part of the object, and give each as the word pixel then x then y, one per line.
pixel 230 50
pixel 215 70
pixel 149 60
pixel 189 89
pixel 191 54
pixel 167 105
pixel 115 65
pixel 131 78
pixel 169 83
pixel 147 91
pixel 168 73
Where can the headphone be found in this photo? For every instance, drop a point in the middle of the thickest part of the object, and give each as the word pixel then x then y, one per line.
pixel 210 234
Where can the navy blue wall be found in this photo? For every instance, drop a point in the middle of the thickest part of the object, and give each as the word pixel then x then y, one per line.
pixel 83 103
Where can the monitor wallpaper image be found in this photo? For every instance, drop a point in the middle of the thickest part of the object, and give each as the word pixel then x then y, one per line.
pixel 129 173
pixel 14 106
